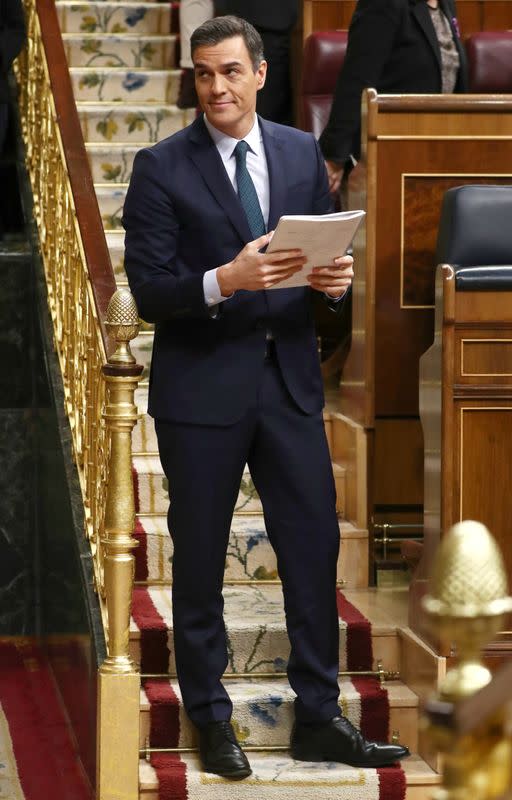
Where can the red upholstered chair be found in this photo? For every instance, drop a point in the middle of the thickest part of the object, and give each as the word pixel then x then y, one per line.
pixel 490 62
pixel 324 53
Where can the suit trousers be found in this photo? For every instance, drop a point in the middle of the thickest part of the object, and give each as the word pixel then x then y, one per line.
pixel 287 454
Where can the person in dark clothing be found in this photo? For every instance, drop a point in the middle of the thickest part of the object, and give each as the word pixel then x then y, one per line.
pixel 396 47
pixel 274 21
pixel 12 37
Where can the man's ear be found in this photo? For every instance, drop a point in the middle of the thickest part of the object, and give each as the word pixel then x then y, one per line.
pixel 261 74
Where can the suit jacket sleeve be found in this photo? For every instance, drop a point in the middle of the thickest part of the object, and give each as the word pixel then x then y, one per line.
pixel 12 32
pixel 151 244
pixel 370 41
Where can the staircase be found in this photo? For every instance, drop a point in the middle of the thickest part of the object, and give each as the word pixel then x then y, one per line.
pixel 122 59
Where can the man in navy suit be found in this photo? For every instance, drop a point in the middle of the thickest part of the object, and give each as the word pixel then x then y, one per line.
pixel 235 379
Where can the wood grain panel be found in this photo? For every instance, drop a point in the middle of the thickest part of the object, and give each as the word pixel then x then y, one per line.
pixel 485 469
pixel 398 462
pixel 325 15
pixel 486 358
pixel 421 211
pixel 496 15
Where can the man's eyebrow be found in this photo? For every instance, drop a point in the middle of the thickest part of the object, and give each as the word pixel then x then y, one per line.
pixel 202 65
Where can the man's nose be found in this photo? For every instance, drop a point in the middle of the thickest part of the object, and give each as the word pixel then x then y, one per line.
pixel 218 84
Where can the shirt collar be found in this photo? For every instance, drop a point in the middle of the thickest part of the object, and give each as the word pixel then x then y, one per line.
pixel 226 144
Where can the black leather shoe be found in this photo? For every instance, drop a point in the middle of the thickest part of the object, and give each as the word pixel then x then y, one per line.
pixel 338 740
pixel 220 751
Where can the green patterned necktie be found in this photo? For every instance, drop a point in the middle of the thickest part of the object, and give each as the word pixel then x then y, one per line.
pixel 247 192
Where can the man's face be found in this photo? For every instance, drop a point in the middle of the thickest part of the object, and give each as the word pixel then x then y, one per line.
pixel 227 85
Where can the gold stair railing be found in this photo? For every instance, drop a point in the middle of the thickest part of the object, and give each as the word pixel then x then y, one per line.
pixel 98 385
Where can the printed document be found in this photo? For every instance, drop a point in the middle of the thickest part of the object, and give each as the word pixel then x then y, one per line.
pixel 321 238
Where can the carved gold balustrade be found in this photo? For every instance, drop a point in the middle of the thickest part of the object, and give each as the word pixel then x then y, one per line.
pixel 99 384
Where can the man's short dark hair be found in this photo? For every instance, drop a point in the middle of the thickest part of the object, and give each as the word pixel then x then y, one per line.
pixel 216 30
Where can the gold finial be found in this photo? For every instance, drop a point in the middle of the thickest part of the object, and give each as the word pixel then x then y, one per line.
pixel 122 324
pixel 467 601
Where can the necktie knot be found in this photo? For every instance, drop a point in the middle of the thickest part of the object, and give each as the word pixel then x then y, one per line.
pixel 241 151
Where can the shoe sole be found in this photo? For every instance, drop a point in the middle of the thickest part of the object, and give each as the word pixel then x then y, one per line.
pixel 236 775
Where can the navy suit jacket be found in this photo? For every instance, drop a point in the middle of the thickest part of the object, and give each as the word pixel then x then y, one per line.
pixel 183 217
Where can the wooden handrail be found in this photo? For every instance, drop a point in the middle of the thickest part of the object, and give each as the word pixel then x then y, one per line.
pixel 443 103
pixel 88 214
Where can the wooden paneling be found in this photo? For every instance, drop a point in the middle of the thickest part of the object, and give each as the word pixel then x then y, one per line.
pixel 484 465
pixel 398 463
pixel 473 15
pixel 481 356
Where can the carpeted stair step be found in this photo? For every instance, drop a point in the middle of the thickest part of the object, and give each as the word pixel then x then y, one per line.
pixel 256 631
pixel 250 555
pixel 151 490
pixel 275 776
pixel 118 84
pixel 115 244
pixel 141 18
pixel 103 122
pixel 129 50
pixel 263 711
pixel 111 202
pixel 112 164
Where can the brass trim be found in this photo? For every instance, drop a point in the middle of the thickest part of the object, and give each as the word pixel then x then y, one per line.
pixel 481 374
pixel 380 673
pixel 455 138
pixel 413 307
pixel 237 582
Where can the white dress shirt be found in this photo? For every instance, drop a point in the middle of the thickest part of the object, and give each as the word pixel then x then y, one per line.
pixel 258 170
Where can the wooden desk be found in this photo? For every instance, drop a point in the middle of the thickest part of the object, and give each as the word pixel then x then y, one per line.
pixel 414 149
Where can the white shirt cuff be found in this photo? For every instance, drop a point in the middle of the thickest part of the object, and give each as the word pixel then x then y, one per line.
pixel 212 295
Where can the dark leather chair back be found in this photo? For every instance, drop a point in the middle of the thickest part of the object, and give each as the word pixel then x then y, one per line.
pixel 475 236
pixel 490 62
pixel 324 54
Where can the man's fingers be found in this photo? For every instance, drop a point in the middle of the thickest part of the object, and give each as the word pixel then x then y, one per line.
pixel 261 241
pixel 285 255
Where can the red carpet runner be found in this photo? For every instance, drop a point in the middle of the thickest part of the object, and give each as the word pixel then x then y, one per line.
pixel 35 741
pixel 176 782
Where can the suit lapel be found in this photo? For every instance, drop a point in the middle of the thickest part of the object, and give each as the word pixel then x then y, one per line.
pixel 273 145
pixel 422 15
pixel 207 159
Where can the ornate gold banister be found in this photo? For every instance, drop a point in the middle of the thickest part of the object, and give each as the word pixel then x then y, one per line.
pixel 98 383
pixel 468 722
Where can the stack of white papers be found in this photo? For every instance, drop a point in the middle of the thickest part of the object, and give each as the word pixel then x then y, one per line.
pixel 321 238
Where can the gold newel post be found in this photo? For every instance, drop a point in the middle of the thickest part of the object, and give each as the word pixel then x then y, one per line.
pixel 469 603
pixel 118 680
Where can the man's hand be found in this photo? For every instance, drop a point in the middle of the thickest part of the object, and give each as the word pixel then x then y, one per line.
pixel 252 270
pixel 334 280
pixel 334 173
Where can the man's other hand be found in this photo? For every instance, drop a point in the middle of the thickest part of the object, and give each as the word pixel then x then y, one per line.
pixel 334 173
pixel 252 270
pixel 334 280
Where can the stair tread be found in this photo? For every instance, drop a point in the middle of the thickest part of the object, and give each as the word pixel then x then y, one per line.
pixel 156 525
pixel 78 70
pixel 265 765
pixel 246 606
pixel 154 37
pixel 250 690
pixel 149 463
